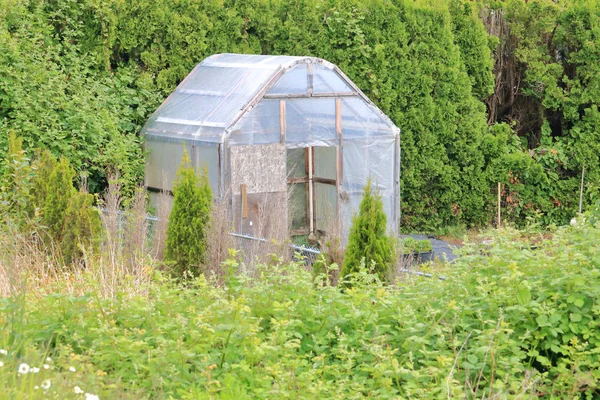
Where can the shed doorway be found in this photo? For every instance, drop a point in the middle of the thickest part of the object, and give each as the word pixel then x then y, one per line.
pixel 311 191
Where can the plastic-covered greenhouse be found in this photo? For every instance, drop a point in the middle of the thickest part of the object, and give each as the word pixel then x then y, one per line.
pixel 288 142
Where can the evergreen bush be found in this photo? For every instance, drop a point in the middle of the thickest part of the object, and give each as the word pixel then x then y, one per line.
pixel 188 222
pixel 15 183
pixel 69 220
pixel 368 238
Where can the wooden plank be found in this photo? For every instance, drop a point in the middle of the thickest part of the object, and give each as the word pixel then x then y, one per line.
pixel 297 180
pixel 272 96
pixel 310 190
pixel 282 121
pixel 325 181
pixel 313 194
pixel 339 161
pixel 159 190
pixel 244 193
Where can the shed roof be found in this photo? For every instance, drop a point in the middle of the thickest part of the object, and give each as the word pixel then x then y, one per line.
pixel 214 98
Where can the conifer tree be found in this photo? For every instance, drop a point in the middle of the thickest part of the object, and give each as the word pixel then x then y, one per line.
pixel 68 216
pixel 82 227
pixel 188 223
pixel 368 239
pixel 15 183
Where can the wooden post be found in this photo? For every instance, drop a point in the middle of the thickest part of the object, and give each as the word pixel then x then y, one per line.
pixel 499 223
pixel 282 121
pixel 244 197
pixel 311 207
pixel 339 155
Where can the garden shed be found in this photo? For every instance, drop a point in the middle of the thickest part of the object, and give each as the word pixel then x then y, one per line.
pixel 288 143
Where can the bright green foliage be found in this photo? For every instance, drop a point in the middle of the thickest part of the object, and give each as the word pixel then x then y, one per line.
pixel 368 241
pixel 82 228
pixel 103 67
pixel 59 190
pixel 80 79
pixel 548 86
pixel 57 93
pixel 474 43
pixel 69 220
pixel 188 222
pixel 513 323
pixel 15 184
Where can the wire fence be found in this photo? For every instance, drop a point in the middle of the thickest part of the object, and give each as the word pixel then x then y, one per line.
pixel 252 245
pixel 249 245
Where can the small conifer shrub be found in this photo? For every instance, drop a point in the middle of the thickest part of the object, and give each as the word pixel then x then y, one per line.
pixel 188 223
pixel 68 216
pixel 368 238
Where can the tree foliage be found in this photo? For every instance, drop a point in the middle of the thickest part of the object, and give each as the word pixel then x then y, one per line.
pixel 188 222
pixel 368 243
pixel 80 78
pixel 39 198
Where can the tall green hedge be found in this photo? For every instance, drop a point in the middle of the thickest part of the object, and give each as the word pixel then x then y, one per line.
pixel 80 78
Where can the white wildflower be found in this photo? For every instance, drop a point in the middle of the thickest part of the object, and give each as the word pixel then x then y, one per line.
pixel 48 359
pixel 89 396
pixel 46 384
pixel 77 390
pixel 35 370
pixel 3 352
pixel 1 364
pixel 36 387
pixel 46 366
pixel 23 369
pixel 72 369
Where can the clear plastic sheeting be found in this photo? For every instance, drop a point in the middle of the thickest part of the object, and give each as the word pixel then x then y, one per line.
pixel 295 81
pixel 364 160
pixel 289 128
pixel 326 80
pixel 206 160
pixel 310 122
pixel 163 161
pixel 258 126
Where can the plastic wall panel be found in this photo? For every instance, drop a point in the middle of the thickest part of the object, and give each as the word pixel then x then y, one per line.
pixel 296 163
pixel 310 122
pixel 325 162
pixel 163 160
pixel 297 206
pixel 294 81
pixel 364 159
pixel 207 159
pixel 325 206
pixel 359 119
pixel 326 80
pixel 259 126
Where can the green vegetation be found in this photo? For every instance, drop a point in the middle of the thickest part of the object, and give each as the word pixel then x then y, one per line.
pixel 38 198
pixel 369 246
pixel 484 92
pixel 188 222
pixel 513 323
pixel 410 245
